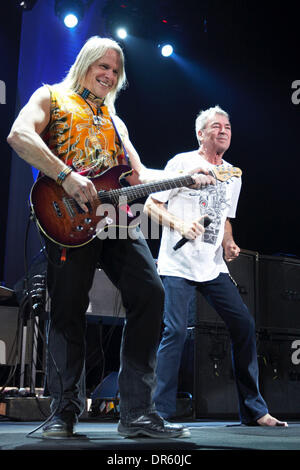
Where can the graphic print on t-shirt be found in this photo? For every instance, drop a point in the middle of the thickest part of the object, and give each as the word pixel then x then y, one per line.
pixel 212 202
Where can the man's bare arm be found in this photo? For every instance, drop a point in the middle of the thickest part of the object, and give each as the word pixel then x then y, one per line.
pixel 25 138
pixel 231 250
pixel 160 214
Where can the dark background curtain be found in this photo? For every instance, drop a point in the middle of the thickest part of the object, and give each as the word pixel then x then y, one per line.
pixel 240 55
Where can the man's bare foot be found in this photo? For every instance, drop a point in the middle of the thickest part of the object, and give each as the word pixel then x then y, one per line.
pixel 268 420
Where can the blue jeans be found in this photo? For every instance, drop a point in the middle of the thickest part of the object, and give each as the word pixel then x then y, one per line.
pixel 224 297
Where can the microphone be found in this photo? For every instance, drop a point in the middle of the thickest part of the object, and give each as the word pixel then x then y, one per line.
pixel 206 221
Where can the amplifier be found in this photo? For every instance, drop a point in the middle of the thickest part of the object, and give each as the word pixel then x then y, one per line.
pixel 215 394
pixel 279 365
pixel 105 298
pixel 279 293
pixel 8 334
pixel 16 346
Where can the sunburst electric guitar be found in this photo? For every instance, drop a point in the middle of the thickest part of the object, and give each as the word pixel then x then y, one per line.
pixel 62 220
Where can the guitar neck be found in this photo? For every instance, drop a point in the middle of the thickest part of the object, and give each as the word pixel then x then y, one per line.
pixel 141 190
pixel 130 193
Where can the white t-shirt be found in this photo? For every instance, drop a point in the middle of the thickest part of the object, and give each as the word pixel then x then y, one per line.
pixel 201 259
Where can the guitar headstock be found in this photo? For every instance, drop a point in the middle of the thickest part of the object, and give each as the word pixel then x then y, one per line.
pixel 223 173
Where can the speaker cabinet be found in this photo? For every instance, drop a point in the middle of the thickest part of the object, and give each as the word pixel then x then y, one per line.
pixel 215 394
pixel 21 345
pixel 105 298
pixel 243 272
pixel 279 361
pixel 103 342
pixel 279 293
pixel 8 334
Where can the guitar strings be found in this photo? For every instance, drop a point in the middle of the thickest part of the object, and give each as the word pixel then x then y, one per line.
pixel 134 192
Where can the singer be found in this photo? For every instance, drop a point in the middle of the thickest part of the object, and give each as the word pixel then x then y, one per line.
pixel 198 264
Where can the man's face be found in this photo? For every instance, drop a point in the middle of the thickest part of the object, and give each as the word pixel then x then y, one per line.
pixel 217 134
pixel 102 75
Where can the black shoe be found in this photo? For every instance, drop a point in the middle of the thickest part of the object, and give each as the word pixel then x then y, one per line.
pixel 152 425
pixel 61 425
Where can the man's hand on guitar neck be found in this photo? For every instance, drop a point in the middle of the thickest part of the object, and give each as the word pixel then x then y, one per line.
pixel 201 178
pixel 80 188
pixel 83 190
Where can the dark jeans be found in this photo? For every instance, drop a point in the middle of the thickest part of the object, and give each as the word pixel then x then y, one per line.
pixel 223 295
pixel 130 266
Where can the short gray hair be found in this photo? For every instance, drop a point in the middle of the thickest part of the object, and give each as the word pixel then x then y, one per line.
pixel 94 49
pixel 204 116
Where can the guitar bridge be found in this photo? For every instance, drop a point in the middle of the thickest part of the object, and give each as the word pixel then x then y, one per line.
pixel 68 204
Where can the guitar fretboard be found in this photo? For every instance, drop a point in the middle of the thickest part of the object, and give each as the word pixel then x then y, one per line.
pixel 131 193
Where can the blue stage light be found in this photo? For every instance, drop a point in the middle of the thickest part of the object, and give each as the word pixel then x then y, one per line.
pixel 167 50
pixel 69 11
pixel 122 33
pixel 70 20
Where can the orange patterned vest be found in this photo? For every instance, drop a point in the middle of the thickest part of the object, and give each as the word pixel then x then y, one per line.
pixel 74 137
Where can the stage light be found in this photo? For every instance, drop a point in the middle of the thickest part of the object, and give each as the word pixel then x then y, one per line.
pixel 122 33
pixel 69 11
pixel 70 20
pixel 27 4
pixel 167 50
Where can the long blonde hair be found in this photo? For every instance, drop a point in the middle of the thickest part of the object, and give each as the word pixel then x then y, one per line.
pixel 94 49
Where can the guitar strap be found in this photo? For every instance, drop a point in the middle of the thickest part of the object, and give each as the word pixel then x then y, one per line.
pixel 121 143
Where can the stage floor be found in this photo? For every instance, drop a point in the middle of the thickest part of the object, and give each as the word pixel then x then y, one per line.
pixel 102 436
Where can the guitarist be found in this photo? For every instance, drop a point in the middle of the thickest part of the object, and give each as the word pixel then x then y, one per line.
pixel 70 132
pixel 199 264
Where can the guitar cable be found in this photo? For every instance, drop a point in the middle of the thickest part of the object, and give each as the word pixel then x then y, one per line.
pixel 60 395
pixel 107 338
pixel 22 306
